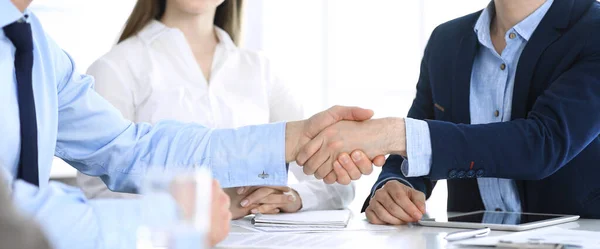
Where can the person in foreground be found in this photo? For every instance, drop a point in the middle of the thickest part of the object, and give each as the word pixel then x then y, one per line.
pixel 50 109
pixel 506 109
pixel 179 60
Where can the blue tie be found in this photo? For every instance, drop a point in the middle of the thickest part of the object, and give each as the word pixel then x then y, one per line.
pixel 19 34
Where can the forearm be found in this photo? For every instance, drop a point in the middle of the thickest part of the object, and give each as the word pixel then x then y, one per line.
pixel 88 224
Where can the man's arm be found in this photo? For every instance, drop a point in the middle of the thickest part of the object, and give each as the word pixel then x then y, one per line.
pixel 557 129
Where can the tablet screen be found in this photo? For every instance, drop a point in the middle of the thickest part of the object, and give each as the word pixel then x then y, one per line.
pixel 502 218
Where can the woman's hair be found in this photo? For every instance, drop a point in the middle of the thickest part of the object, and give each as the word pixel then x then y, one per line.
pixel 227 17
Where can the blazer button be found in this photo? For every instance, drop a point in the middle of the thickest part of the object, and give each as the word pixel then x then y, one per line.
pixel 502 66
pixel 499 210
pixel 471 173
pixel 480 173
pixel 452 174
pixel 461 174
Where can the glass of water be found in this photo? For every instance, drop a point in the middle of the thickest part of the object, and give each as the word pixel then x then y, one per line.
pixel 191 191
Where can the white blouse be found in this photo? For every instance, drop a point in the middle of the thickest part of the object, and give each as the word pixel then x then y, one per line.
pixel 154 76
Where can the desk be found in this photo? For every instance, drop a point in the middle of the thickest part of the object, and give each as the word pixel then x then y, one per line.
pixel 415 236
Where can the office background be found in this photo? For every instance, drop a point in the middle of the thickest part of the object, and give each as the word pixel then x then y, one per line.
pixel 346 52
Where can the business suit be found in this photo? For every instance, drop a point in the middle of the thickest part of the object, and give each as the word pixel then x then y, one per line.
pixel 551 146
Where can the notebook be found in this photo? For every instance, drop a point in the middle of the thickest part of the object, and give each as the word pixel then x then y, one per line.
pixel 324 218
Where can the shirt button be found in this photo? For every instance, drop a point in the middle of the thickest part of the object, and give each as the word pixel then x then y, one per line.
pixel 512 35
pixel 502 66
pixel 496 113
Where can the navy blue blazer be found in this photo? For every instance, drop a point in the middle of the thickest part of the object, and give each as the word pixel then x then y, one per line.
pixel 551 146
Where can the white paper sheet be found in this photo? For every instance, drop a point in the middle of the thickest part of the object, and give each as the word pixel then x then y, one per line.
pixel 290 241
pixel 353 225
pixel 585 239
pixel 323 217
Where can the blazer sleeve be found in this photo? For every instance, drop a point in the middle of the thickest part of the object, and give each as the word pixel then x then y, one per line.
pixel 422 108
pixel 563 121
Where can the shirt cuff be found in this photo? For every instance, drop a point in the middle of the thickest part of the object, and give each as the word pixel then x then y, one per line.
pixel 418 149
pixel 249 156
pixel 382 182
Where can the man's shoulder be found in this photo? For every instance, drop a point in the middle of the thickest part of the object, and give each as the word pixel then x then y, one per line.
pixel 456 27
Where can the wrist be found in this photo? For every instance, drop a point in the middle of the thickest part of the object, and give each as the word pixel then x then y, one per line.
pixel 292 140
pixel 396 136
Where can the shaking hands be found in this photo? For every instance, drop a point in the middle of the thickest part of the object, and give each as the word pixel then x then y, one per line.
pixel 342 143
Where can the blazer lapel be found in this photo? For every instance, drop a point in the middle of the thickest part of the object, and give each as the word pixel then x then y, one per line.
pixel 461 89
pixel 545 34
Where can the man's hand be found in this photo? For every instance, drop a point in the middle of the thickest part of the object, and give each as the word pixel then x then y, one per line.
pixel 373 137
pixel 270 200
pixel 300 133
pixel 395 204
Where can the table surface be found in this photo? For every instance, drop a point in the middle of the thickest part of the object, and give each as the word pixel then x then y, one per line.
pixel 415 236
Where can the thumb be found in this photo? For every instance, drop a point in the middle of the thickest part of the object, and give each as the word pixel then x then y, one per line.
pixel 418 198
pixel 350 113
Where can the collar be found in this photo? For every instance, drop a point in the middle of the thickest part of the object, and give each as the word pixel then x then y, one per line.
pixel 156 29
pixel 9 13
pixel 525 28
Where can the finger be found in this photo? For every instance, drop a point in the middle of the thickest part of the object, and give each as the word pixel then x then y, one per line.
pixel 379 160
pixel 324 119
pixel 384 215
pixel 418 198
pixel 256 196
pixel 308 152
pixel 331 178
pixel 372 217
pixel 400 194
pixel 265 208
pixel 282 199
pixel 316 162
pixel 274 211
pixel 349 166
pixel 394 208
pixel 342 176
pixel 241 190
pixel 350 113
pixel 325 168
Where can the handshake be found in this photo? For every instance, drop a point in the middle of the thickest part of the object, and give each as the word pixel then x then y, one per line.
pixel 342 143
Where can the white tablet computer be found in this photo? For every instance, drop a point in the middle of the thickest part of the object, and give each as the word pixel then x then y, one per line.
pixel 505 221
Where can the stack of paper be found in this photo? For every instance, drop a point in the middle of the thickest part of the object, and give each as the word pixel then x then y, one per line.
pixel 324 219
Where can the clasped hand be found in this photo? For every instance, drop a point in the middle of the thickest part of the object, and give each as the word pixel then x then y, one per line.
pixel 342 143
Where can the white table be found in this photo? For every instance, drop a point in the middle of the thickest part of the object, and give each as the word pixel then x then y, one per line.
pixel 415 236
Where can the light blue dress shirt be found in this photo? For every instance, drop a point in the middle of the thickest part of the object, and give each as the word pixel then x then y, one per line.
pixel 491 92
pixel 77 125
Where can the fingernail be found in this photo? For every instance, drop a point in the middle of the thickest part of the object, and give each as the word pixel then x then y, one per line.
pixel 417 215
pixel 345 159
pixel 291 198
pixel 244 203
pixel 356 156
pixel 254 211
pixel 240 190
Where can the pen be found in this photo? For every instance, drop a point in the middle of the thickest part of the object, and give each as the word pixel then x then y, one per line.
pixel 467 234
